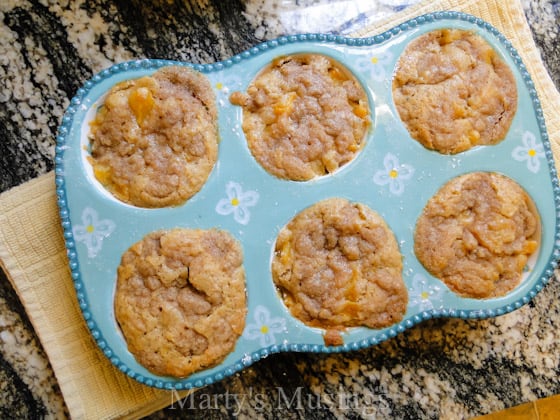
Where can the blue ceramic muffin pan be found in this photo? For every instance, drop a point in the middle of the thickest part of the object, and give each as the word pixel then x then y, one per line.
pixel 98 228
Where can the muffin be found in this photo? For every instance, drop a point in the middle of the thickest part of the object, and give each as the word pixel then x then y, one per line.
pixel 154 141
pixel 304 116
pixel 180 299
pixel 477 233
pixel 453 91
pixel 337 264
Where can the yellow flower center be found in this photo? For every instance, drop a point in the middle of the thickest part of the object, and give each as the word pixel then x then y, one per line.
pixel 219 86
pixel 424 295
pixel 234 202
pixel 374 60
pixel 89 228
pixel 264 329
pixel 532 152
pixel 393 173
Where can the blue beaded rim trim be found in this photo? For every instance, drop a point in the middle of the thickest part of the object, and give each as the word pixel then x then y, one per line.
pixel 186 383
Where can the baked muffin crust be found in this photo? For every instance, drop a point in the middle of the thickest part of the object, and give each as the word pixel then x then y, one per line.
pixel 304 116
pixel 453 91
pixel 477 233
pixel 154 141
pixel 337 264
pixel 180 299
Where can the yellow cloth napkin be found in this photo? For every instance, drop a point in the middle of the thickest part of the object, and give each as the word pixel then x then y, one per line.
pixel 33 255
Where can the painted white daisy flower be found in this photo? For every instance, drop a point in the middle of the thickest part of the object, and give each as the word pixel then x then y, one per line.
pixel 264 327
pixel 225 86
pixel 531 151
pixel 237 202
pixel 92 231
pixel 424 295
pixel 395 174
pixel 376 65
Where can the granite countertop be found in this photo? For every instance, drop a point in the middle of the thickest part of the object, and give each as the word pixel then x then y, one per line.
pixel 448 368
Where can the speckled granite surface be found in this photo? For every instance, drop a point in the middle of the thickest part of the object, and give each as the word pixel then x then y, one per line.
pixel 441 368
